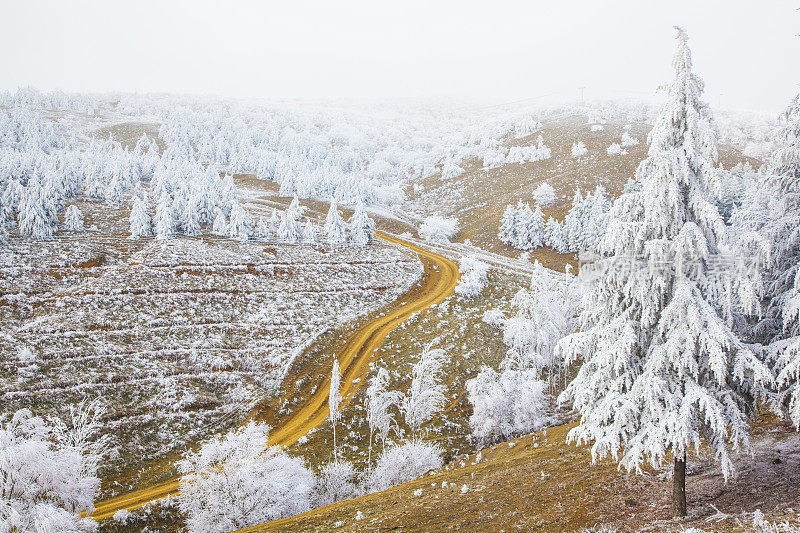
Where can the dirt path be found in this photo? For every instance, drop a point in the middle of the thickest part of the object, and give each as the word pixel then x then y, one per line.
pixel 353 359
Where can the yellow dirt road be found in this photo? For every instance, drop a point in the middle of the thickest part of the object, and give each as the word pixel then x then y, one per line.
pixel 353 360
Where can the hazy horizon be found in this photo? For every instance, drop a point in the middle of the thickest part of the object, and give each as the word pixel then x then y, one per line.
pixel 503 51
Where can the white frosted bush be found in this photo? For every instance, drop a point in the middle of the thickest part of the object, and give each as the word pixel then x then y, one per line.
pixel 237 480
pixel 336 482
pixel 438 229
pixel 402 463
pixel 473 276
pixel 544 194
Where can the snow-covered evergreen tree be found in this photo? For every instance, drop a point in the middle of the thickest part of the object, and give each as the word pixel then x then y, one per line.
pixel 220 226
pixel 140 219
pixel 662 368
pixel 335 226
pixel 573 223
pixel 362 227
pixel 509 226
pixel 190 218
pixel 578 149
pixel 773 209
pixel 73 219
pixel 309 233
pixel 289 227
pixel 240 226
pixel 164 218
pixel 34 219
pixel 554 234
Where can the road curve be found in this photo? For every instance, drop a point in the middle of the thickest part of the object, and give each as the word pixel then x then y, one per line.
pixel 354 362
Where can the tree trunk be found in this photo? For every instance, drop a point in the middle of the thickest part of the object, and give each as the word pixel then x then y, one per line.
pixel 679 487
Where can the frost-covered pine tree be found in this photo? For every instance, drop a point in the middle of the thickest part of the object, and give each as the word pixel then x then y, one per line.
pixel 778 220
pixel 426 395
pixel 164 218
pixel 362 227
pixel 335 226
pixel 662 369
pixel 190 218
pixel 554 232
pixel 578 149
pixel 380 400
pixel 73 219
pixel 34 220
pixel 535 230
pixel 509 226
pixel 334 401
pixel 140 219
pixel 573 223
pixel 309 233
pixel 289 227
pixel 220 226
pixel 240 226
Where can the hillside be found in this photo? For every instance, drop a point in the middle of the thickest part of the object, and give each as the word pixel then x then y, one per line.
pixel 539 483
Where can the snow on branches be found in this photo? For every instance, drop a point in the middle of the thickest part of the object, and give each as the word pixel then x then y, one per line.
pixel 48 470
pixel 662 368
pixel 267 483
pixel 438 229
pixel 426 394
pixel 473 276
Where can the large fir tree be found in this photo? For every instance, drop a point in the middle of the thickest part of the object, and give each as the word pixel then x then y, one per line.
pixel 661 367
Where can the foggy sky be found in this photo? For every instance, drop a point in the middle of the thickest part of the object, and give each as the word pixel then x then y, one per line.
pixel 746 51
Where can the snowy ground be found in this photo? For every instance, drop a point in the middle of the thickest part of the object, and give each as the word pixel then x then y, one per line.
pixel 179 337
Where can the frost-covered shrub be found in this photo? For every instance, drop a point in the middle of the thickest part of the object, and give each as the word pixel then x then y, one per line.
pixel 494 159
pixel 473 276
pixel 615 149
pixel 237 480
pixel 402 463
pixel 628 140
pixel 48 472
pixel 598 127
pixel 544 194
pixel 507 403
pixel 336 482
pixel 451 170
pixel 578 149
pixel 522 154
pixel 438 229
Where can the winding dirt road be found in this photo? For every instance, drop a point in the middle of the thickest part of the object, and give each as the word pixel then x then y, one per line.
pixel 354 362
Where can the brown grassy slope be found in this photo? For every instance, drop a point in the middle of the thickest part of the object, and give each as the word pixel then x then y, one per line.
pixel 479 196
pixel 538 483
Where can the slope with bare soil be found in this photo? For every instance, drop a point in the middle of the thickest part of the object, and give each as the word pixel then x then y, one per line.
pixel 478 197
pixel 540 483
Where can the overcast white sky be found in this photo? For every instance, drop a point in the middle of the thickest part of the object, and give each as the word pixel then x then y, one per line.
pixel 747 51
